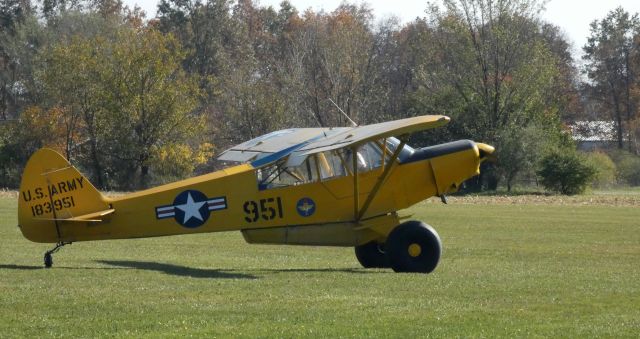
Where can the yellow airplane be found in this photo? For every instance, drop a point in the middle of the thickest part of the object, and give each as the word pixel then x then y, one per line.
pixel 304 186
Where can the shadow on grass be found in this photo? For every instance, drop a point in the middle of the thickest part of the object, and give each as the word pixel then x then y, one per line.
pixel 320 270
pixel 28 268
pixel 20 267
pixel 198 272
pixel 177 270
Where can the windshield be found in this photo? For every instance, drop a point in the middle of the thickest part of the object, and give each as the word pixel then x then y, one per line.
pixel 407 151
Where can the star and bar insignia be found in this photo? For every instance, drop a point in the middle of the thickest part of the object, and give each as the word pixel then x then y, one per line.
pixel 191 208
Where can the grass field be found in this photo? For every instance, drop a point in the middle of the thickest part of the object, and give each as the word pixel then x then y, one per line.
pixel 511 267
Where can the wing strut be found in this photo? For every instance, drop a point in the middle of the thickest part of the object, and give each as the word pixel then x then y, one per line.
pixel 381 179
pixel 356 188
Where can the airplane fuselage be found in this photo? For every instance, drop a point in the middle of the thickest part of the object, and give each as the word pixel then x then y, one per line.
pixel 319 212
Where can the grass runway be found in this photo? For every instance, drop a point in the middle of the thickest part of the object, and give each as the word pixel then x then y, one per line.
pixel 510 268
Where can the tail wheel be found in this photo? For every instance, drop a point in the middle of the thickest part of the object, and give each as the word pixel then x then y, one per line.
pixel 372 255
pixel 48 260
pixel 413 246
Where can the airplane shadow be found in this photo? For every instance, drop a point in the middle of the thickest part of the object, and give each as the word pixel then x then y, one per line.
pixel 328 270
pixel 176 270
pixel 185 271
pixel 20 267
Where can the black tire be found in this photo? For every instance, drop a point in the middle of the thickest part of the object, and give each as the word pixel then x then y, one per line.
pixel 48 260
pixel 372 255
pixel 414 246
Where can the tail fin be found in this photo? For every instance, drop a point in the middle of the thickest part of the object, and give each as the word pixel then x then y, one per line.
pixel 55 198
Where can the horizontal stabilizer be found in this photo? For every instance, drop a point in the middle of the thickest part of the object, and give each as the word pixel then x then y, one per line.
pixel 91 217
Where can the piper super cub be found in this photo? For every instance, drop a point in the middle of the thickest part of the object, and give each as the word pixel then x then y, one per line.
pixel 305 186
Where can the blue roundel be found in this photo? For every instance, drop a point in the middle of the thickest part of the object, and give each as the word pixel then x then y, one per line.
pixel 306 207
pixel 191 208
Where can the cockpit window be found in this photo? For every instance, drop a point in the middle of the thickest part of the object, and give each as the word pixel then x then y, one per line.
pixel 280 175
pixel 371 153
pixel 329 164
pixel 321 166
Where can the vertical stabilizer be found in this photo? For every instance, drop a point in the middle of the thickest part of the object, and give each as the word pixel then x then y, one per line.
pixel 53 196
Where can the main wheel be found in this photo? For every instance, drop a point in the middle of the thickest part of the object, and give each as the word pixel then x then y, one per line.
pixel 372 255
pixel 414 246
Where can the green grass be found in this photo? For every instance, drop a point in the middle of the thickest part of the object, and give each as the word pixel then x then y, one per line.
pixel 508 270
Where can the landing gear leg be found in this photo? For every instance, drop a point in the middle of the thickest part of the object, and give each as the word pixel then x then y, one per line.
pixel 48 258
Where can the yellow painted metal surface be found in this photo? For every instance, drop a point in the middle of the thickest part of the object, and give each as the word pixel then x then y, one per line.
pixel 58 204
pixel 327 234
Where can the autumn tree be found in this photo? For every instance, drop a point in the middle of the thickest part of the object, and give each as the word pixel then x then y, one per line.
pixel 138 102
pixel 130 101
pixel 20 38
pixel 565 94
pixel 333 57
pixel 208 34
pixel 33 129
pixel 490 69
pixel 609 55
pixel 70 83
pixel 219 54
pixel 150 104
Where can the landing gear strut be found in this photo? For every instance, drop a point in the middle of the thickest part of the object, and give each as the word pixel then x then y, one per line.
pixel 48 258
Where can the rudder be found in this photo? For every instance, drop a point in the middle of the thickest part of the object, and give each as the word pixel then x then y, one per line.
pixel 54 196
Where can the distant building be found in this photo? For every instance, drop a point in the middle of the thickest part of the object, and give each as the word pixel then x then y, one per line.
pixel 594 135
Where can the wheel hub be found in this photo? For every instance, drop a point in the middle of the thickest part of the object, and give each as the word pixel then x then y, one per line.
pixel 414 250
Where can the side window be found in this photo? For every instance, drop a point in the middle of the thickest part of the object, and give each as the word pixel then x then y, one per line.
pixel 372 155
pixel 322 166
pixel 331 164
pixel 277 175
pixel 369 157
pixel 280 175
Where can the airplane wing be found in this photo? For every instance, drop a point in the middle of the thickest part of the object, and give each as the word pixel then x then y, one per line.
pixel 363 134
pixel 275 142
pixel 298 143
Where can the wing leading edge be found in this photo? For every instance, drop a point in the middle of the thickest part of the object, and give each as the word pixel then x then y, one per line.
pixel 363 134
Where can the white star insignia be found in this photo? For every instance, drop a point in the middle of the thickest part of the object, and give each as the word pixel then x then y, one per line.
pixel 191 209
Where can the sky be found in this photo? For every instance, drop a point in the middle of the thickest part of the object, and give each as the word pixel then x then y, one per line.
pixel 572 16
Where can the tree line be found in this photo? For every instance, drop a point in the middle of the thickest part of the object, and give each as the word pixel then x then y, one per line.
pixel 136 101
